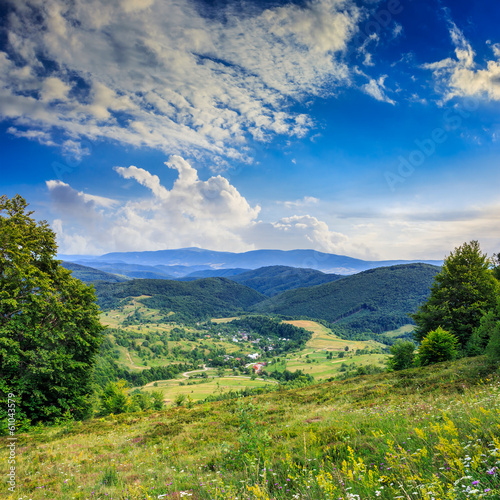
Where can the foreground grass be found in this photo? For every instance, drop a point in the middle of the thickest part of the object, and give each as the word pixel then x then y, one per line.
pixel 418 434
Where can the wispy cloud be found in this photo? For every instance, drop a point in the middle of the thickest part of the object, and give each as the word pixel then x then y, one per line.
pixel 303 202
pixel 376 89
pixel 462 76
pixel 159 74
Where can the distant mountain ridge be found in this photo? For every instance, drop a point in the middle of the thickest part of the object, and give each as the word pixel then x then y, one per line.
pixel 187 258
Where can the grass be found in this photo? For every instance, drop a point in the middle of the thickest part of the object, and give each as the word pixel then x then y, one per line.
pixel 199 391
pixel 418 434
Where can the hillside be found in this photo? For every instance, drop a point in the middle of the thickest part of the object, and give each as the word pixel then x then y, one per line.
pixel 206 259
pixel 89 274
pixel 216 273
pixel 189 300
pixel 422 433
pixel 377 300
pixel 131 270
pixel 273 280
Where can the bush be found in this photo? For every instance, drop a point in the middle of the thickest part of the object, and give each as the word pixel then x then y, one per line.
pixel 403 355
pixel 439 345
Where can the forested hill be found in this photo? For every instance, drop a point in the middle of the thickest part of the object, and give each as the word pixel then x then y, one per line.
pixel 189 300
pixel 89 274
pixel 377 300
pixel 272 280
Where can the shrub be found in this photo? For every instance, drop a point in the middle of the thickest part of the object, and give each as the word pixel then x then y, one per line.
pixel 403 355
pixel 439 345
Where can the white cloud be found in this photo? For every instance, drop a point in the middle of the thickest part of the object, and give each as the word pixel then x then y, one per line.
pixel 159 74
pixel 462 76
pixel 376 89
pixel 304 202
pixel 210 214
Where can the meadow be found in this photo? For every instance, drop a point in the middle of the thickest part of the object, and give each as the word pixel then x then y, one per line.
pixel 427 433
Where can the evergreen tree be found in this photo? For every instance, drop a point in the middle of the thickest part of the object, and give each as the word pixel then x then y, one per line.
pixel 461 294
pixel 49 327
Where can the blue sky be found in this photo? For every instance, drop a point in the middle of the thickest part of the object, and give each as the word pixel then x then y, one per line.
pixel 366 128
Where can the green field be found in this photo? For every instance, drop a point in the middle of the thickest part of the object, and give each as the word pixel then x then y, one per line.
pixel 313 359
pixel 199 391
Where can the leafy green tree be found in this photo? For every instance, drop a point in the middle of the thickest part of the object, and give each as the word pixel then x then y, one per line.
pixel 49 324
pixel 437 346
pixel 403 355
pixel 482 334
pixel 461 294
pixel 157 397
pixel 493 347
pixel 495 264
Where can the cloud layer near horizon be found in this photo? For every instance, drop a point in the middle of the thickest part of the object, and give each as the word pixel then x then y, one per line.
pixel 210 214
pixel 159 74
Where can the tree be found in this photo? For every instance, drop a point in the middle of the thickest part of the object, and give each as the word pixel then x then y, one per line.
pixel 495 265
pixel 437 346
pixel 49 327
pixel 484 332
pixel 461 294
pixel 403 355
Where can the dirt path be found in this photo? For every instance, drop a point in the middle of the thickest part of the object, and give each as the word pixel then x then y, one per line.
pixel 132 363
pixel 186 374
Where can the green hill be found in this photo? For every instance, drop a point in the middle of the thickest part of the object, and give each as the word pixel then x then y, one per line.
pixel 377 300
pixel 89 274
pixel 203 298
pixel 272 280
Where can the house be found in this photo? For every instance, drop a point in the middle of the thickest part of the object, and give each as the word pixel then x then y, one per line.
pixel 258 367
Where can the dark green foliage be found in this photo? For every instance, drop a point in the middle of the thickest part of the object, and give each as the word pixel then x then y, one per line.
pixel 49 327
pixel 462 292
pixel 403 355
pixel 481 335
pixel 378 300
pixel 495 264
pixel 200 299
pixel 437 346
pixel 273 280
pixel 493 347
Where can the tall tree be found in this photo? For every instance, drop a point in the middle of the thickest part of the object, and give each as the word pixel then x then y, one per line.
pixel 49 326
pixel 461 294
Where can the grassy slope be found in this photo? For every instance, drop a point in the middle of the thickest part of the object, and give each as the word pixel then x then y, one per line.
pixel 420 434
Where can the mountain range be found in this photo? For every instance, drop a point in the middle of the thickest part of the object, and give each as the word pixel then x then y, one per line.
pixel 376 300
pixel 185 261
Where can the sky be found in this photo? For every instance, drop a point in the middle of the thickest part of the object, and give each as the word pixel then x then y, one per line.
pixel 364 128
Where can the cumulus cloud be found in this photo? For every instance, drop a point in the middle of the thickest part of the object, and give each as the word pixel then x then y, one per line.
pixel 208 213
pixel 462 76
pixel 161 75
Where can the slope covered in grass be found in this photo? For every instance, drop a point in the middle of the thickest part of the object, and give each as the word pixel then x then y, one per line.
pixel 419 434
